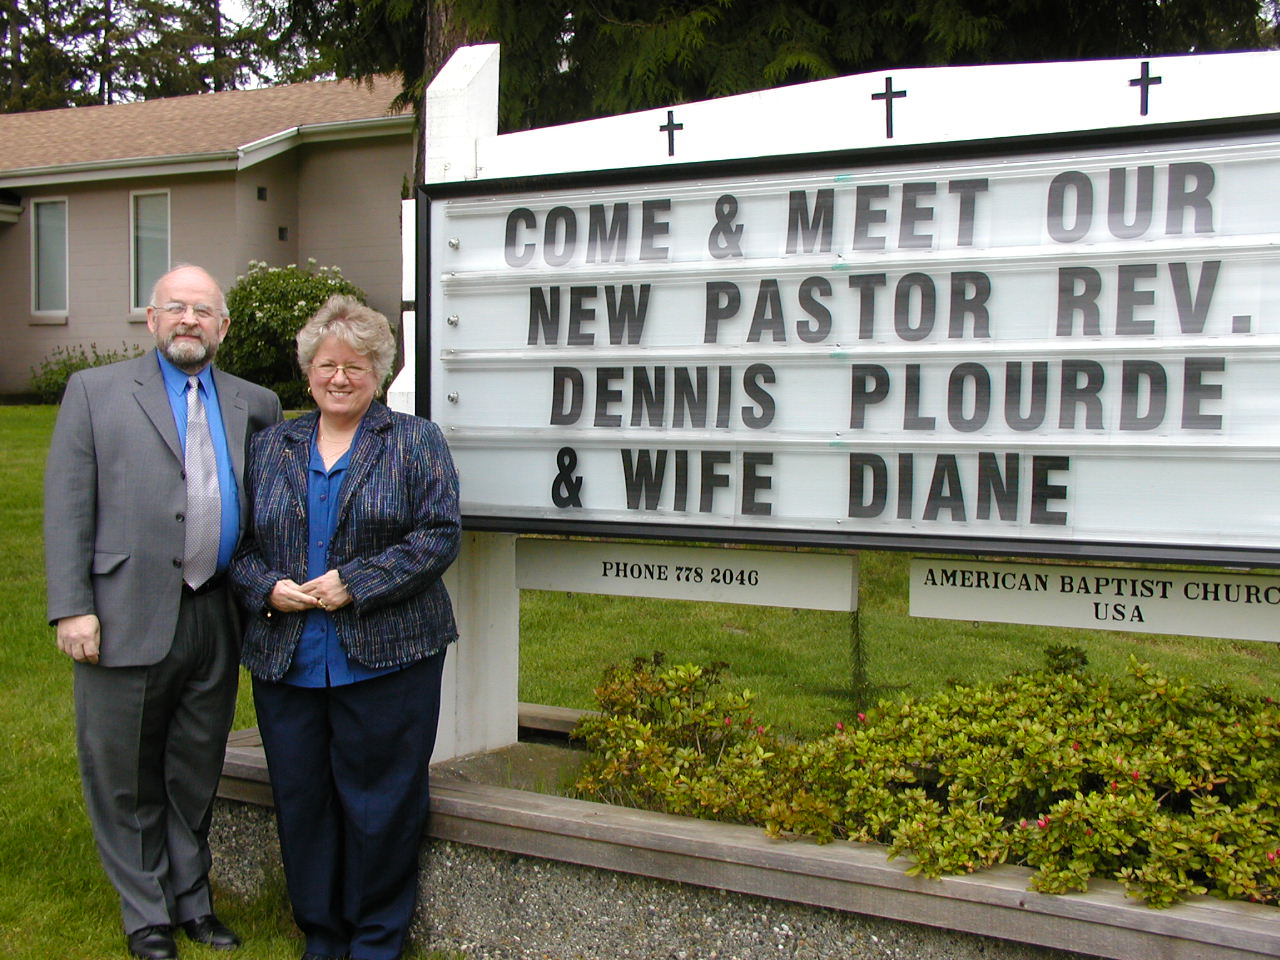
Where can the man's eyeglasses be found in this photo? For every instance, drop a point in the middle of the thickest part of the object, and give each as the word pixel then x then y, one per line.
pixel 327 370
pixel 176 310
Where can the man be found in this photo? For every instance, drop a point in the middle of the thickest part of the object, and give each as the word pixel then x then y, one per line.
pixel 143 508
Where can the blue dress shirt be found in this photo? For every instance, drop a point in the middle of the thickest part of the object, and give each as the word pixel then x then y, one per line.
pixel 320 660
pixel 176 382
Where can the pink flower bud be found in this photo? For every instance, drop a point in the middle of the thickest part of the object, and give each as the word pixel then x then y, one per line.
pixel 839 725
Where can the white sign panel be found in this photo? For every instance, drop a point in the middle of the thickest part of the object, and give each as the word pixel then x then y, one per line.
pixel 1196 604
pixel 921 105
pixel 1078 348
pixel 803 581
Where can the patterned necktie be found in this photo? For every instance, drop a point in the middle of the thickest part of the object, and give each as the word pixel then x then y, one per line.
pixel 204 504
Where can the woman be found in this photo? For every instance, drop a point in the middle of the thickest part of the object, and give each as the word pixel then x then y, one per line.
pixel 354 520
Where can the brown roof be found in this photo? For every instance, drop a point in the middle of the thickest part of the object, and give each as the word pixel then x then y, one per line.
pixel 180 126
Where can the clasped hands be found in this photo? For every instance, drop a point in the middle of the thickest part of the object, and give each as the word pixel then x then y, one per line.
pixel 325 592
pixel 79 637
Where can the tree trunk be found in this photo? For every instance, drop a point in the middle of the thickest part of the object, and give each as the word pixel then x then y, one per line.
pixel 217 46
pixel 106 69
pixel 444 33
pixel 15 49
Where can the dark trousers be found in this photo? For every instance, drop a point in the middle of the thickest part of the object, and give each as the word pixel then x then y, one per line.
pixel 348 770
pixel 151 743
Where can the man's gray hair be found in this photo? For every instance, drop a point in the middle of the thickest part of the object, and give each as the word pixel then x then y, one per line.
pixel 222 297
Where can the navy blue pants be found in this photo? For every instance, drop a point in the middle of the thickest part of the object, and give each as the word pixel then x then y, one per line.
pixel 348 772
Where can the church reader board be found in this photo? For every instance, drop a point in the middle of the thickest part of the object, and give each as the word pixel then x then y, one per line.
pixel 1064 344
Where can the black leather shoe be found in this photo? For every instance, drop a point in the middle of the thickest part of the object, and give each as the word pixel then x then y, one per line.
pixel 153 943
pixel 212 932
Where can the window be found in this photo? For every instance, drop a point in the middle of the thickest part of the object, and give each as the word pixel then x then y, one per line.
pixel 150 251
pixel 49 256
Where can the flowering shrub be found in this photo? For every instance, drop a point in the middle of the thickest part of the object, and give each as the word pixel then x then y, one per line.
pixel 1167 787
pixel 666 741
pixel 268 307
pixel 49 379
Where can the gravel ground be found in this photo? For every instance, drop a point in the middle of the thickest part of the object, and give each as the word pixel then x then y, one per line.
pixel 493 905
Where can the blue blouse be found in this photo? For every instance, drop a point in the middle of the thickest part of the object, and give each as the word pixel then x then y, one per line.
pixel 319 660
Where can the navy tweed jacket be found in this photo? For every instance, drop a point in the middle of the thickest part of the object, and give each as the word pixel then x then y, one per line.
pixel 398 530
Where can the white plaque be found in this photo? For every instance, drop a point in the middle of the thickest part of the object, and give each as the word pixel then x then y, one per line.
pixel 806 581
pixel 1197 604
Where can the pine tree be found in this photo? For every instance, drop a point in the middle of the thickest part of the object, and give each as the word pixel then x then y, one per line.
pixel 167 48
pixel 63 53
pixel 40 65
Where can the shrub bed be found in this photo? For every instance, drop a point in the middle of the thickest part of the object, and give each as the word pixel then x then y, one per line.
pixel 1168 787
pixel 49 379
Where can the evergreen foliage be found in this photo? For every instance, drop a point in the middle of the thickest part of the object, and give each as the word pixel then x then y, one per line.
pixel 40 69
pixel 360 38
pixel 70 53
pixel 1170 788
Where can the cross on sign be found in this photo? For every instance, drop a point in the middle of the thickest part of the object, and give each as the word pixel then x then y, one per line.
pixel 670 128
pixel 1146 82
pixel 888 97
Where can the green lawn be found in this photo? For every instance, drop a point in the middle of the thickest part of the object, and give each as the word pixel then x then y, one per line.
pixel 55 902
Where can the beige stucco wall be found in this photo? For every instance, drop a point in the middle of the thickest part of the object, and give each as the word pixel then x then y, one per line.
pixel 349 212
pixel 258 222
pixel 202 224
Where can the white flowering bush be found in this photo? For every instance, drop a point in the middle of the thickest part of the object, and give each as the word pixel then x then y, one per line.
pixel 268 306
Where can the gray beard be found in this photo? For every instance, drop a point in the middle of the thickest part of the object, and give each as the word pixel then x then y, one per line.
pixel 190 358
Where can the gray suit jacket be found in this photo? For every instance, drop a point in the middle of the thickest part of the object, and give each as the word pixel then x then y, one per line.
pixel 115 496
